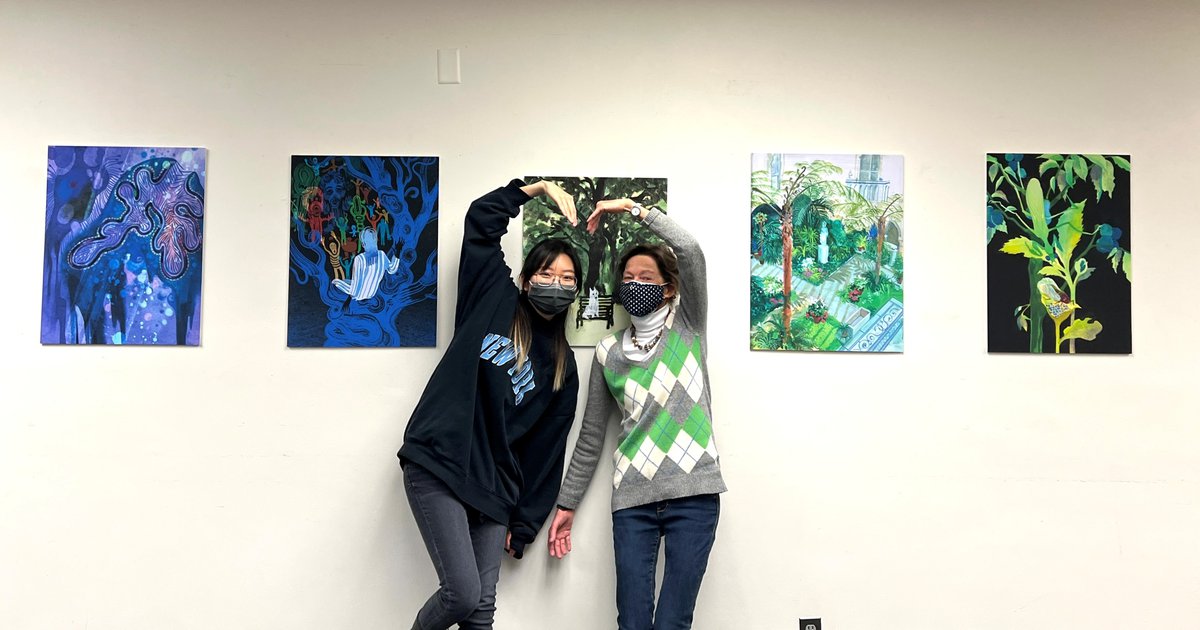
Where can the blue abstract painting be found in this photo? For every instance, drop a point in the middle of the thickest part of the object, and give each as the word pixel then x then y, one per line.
pixel 363 251
pixel 124 236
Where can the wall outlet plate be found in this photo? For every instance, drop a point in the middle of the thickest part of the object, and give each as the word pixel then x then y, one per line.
pixel 810 624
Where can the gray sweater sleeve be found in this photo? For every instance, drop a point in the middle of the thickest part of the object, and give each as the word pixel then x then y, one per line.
pixel 693 295
pixel 600 404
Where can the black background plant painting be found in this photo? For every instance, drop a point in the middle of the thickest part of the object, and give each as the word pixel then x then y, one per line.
pixel 594 315
pixel 1059 260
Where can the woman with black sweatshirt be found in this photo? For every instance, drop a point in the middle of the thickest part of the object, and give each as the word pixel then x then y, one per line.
pixel 483 451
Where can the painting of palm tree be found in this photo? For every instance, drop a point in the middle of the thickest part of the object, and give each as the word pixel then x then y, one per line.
pixel 827 252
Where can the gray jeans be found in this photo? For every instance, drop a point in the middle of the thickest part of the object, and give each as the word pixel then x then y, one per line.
pixel 466 548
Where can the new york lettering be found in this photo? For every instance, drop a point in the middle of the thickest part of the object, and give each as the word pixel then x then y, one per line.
pixel 500 350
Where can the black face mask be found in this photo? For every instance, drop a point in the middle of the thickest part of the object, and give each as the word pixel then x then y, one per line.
pixel 640 298
pixel 551 300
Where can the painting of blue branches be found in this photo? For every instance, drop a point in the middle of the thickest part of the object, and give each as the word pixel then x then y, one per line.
pixel 124 236
pixel 363 252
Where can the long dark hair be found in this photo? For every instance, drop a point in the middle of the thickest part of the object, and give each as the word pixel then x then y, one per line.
pixel 541 256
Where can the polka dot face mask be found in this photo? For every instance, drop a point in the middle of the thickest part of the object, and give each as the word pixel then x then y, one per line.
pixel 640 298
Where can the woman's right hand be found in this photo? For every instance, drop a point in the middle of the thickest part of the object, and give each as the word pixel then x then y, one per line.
pixel 559 540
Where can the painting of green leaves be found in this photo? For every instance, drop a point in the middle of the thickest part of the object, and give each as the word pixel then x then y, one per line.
pixel 595 313
pixel 1059 264
pixel 827 252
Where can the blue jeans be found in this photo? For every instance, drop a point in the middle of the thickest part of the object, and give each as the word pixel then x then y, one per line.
pixel 466 548
pixel 688 528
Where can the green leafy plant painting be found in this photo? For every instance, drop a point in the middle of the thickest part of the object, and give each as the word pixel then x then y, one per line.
pixel 1059 259
pixel 827 252
pixel 595 313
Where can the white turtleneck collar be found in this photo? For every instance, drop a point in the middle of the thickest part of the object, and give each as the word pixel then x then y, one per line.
pixel 647 327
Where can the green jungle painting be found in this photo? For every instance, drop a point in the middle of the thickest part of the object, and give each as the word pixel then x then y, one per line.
pixel 827 252
pixel 594 314
pixel 1059 267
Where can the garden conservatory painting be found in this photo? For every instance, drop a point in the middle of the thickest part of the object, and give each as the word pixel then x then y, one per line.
pixel 363 251
pixel 827 252
pixel 594 314
pixel 1059 265
pixel 124 236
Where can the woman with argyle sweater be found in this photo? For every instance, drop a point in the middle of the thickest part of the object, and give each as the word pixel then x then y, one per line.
pixel 667 476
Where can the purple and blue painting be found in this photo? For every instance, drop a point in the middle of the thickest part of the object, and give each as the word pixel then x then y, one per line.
pixel 124 236
pixel 363 252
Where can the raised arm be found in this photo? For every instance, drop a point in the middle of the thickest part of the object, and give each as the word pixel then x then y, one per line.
pixel 482 261
pixel 693 292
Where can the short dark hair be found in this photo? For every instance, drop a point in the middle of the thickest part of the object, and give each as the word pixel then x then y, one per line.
pixel 664 258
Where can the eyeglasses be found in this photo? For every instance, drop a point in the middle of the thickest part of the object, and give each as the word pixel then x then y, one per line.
pixel 546 279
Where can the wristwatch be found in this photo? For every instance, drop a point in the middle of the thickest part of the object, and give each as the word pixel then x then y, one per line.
pixel 637 210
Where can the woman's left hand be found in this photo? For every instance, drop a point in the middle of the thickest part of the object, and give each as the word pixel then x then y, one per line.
pixel 559 198
pixel 562 199
pixel 559 539
pixel 508 545
pixel 608 206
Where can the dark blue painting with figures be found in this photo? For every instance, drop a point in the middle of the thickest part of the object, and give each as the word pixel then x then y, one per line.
pixel 363 252
pixel 124 236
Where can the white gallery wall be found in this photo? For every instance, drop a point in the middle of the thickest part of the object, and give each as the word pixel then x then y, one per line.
pixel 245 485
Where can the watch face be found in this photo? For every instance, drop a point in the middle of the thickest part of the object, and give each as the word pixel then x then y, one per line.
pixel 636 211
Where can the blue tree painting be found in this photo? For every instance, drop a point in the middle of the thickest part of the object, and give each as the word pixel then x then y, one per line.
pixel 363 252
pixel 124 236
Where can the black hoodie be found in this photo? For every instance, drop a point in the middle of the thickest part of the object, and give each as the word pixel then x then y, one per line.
pixel 494 434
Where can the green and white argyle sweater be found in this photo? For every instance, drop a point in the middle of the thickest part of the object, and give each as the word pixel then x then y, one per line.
pixel 666 448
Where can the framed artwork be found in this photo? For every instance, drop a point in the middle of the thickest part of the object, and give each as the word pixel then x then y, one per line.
pixel 124 240
pixel 1059 265
pixel 363 261
pixel 827 252
pixel 595 313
